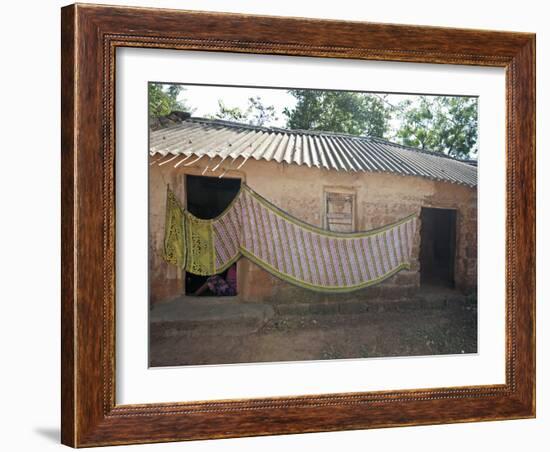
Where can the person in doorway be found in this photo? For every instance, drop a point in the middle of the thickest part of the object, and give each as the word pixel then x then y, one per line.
pixel 220 286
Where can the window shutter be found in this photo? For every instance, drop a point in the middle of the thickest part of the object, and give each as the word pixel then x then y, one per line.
pixel 339 211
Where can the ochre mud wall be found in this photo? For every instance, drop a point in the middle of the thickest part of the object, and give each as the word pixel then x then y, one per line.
pixel 380 199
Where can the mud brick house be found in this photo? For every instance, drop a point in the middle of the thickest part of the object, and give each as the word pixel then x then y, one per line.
pixel 339 182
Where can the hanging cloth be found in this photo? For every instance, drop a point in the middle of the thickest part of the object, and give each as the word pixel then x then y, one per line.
pixel 287 247
pixel 174 244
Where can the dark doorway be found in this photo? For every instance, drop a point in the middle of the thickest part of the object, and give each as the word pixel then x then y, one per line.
pixel 207 197
pixel 437 247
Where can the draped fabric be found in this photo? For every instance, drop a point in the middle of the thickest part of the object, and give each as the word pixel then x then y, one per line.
pixel 174 245
pixel 290 249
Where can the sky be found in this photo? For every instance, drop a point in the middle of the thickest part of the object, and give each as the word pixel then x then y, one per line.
pixel 204 98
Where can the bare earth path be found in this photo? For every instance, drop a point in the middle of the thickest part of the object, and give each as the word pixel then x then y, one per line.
pixel 450 329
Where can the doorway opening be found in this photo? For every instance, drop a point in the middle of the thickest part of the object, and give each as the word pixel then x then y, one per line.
pixel 437 247
pixel 208 197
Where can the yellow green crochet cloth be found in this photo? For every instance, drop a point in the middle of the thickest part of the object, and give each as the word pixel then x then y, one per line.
pixel 281 244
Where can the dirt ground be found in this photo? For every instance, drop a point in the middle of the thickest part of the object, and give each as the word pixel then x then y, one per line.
pixel 449 329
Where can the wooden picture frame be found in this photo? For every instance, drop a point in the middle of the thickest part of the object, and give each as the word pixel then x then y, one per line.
pixel 90 36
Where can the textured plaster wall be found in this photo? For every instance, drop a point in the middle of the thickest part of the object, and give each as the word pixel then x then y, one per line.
pixel 380 199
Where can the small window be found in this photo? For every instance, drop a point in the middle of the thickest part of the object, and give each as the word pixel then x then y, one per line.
pixel 339 210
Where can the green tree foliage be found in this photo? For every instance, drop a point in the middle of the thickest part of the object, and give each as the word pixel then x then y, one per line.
pixel 441 124
pixel 256 113
pixel 163 99
pixel 259 113
pixel 338 111
pixel 229 113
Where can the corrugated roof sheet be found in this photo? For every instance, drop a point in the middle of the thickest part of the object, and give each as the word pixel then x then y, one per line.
pixel 216 138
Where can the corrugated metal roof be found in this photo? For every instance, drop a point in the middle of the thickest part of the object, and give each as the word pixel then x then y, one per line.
pixel 216 138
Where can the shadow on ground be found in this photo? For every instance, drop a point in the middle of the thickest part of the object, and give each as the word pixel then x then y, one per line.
pixel 52 434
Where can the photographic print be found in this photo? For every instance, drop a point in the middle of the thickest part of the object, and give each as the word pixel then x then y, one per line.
pixel 301 224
